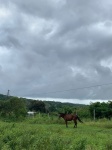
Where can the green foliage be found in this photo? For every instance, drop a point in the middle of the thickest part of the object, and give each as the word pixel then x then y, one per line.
pixel 14 108
pixel 41 136
pixel 10 107
pixel 36 105
pixel 102 110
pixel 108 145
pixel 4 97
pixel 83 112
pixel 53 106
pixel 80 145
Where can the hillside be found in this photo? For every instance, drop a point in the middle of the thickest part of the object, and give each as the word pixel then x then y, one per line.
pixel 52 105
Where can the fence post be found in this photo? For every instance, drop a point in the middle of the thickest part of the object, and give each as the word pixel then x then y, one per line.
pixel 94 114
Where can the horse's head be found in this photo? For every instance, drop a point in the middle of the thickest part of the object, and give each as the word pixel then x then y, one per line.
pixel 61 115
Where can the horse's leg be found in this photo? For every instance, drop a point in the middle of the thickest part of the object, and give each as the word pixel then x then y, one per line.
pixel 75 124
pixel 66 123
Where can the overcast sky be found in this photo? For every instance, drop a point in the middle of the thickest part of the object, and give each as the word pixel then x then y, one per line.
pixel 49 48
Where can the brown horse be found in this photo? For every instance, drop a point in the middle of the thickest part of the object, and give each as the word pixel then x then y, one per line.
pixel 70 117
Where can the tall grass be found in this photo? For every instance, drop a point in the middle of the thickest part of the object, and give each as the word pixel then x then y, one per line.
pixel 49 133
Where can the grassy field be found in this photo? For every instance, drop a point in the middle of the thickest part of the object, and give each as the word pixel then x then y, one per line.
pixel 43 133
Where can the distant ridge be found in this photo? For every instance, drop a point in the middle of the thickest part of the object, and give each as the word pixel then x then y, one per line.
pixel 51 103
pixel 65 104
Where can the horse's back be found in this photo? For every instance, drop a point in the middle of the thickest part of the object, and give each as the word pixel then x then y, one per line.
pixel 69 117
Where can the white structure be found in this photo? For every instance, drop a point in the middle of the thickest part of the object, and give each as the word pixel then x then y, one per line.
pixel 31 113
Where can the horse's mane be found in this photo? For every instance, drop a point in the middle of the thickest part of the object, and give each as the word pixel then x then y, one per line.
pixel 62 113
pixel 66 114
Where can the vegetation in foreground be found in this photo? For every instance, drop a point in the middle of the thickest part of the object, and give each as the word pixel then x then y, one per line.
pixel 50 133
pixel 46 131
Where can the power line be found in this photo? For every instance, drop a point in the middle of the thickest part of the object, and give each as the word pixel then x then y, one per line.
pixel 81 88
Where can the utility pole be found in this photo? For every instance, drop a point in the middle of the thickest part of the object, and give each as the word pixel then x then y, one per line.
pixel 8 93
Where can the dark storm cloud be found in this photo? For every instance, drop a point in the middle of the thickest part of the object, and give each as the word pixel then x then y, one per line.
pixel 49 46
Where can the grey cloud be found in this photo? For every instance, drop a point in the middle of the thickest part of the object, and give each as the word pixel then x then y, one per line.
pixel 55 46
pixel 41 8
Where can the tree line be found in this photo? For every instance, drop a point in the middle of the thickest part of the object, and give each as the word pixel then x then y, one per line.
pixel 16 108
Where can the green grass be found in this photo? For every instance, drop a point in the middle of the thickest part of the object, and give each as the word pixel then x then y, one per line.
pixel 43 133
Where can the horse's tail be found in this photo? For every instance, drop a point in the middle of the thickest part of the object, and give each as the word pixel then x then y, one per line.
pixel 79 119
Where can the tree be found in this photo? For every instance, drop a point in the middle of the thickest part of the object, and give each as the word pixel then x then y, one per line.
pixel 36 105
pixel 18 106
pixel 13 108
pixel 102 110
